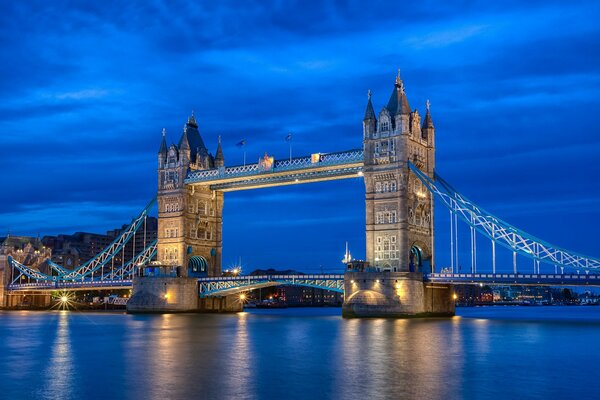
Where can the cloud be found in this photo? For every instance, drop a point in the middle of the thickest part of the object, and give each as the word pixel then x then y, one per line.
pixel 88 87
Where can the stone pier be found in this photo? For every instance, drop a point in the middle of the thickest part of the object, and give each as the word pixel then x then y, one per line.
pixel 395 295
pixel 174 295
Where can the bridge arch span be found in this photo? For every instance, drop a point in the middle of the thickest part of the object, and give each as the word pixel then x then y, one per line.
pixel 227 286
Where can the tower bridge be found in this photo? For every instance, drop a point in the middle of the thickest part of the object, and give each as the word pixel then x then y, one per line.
pixel 399 276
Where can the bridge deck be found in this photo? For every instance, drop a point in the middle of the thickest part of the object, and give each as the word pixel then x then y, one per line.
pixel 75 285
pixel 516 279
pixel 223 286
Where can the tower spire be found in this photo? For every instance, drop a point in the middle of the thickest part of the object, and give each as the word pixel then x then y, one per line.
pixel 427 122
pixel 369 112
pixel 163 143
pixel 219 159
pixel 398 103
pixel 192 120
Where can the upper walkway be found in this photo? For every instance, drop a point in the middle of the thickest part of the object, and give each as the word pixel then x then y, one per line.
pixel 269 172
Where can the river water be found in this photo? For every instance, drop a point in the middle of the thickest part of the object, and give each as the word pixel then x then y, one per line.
pixel 487 352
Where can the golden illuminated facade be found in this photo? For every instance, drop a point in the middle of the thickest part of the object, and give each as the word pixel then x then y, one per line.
pixel 399 210
pixel 190 217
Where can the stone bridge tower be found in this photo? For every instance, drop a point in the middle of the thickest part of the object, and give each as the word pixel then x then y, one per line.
pixel 399 210
pixel 399 217
pixel 189 217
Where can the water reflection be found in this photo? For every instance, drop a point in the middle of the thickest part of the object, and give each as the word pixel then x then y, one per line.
pixel 294 354
pixel 238 361
pixel 58 374
pixel 397 358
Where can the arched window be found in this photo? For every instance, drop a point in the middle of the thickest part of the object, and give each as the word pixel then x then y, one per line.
pixel 386 187
pixel 392 186
pixel 377 187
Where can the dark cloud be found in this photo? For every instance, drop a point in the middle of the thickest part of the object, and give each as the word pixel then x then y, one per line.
pixel 87 87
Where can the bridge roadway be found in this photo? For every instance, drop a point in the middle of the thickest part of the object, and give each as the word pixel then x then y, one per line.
pixel 73 285
pixel 516 279
pixel 224 286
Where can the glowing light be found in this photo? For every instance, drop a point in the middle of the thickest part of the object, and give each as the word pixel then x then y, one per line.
pixel 377 281
pixel 243 296
pixel 454 296
pixel 64 300
pixel 166 296
pixel 360 173
pixel 352 281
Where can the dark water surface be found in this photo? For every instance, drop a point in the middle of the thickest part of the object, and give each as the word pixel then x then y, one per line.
pixel 505 352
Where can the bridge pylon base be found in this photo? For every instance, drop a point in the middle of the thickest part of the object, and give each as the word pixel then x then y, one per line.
pixel 174 295
pixel 394 295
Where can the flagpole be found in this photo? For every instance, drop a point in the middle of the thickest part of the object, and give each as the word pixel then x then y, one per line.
pixel 288 139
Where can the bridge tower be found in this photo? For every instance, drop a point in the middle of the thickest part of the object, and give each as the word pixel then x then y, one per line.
pixel 399 215
pixel 399 210
pixel 189 217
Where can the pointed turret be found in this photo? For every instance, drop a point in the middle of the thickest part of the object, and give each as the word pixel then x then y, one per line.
pixel 184 142
pixel 370 121
pixel 427 131
pixel 163 143
pixel 162 151
pixel 192 120
pixel 219 159
pixel 398 103
pixel 369 112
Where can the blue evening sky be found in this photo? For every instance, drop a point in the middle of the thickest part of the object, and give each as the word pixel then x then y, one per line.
pixel 86 88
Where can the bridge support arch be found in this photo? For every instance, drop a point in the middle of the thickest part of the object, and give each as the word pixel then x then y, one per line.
pixel 395 295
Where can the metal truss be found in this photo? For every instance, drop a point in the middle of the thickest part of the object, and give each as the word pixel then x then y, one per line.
pixel 92 265
pixel 338 164
pixel 500 231
pixel 223 286
pixel 109 252
pixel 26 271
pixel 129 269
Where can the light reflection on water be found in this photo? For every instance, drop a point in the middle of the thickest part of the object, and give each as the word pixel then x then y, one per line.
pixel 300 353
pixel 58 376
